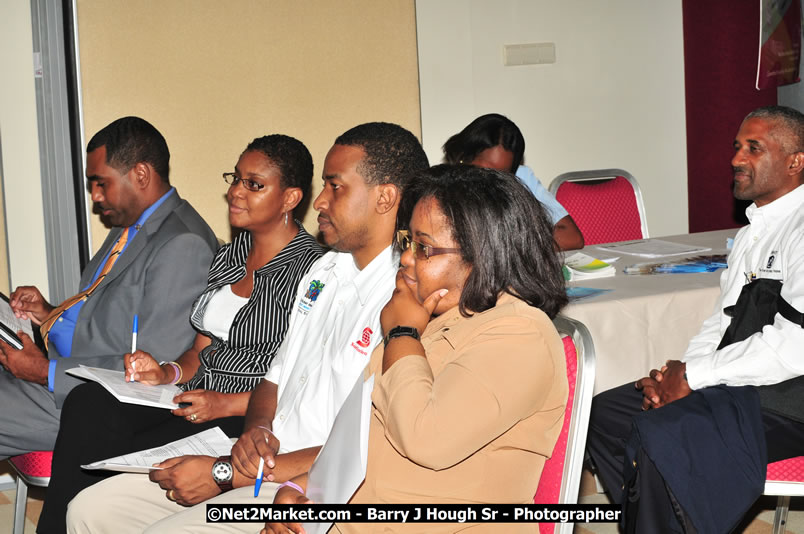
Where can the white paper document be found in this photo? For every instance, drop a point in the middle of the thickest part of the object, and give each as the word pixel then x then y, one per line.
pixel 210 442
pixel 10 324
pixel 653 248
pixel 129 392
pixel 340 466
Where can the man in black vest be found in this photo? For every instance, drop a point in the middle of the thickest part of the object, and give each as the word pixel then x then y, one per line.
pixel 686 447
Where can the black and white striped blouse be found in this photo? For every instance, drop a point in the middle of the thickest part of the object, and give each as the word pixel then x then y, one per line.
pixel 258 329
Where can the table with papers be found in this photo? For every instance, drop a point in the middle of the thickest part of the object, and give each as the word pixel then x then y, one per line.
pixel 643 320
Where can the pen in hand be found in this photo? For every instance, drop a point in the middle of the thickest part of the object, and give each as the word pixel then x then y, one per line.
pixel 134 329
pixel 258 483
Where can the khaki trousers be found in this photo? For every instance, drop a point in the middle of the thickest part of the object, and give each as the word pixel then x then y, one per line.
pixel 130 503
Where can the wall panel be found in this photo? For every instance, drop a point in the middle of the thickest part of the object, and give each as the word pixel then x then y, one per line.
pixel 213 75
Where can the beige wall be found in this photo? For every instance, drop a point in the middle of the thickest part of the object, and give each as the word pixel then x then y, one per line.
pixel 22 191
pixel 213 75
pixel 614 97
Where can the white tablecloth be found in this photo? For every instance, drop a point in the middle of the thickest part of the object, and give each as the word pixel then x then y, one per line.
pixel 646 319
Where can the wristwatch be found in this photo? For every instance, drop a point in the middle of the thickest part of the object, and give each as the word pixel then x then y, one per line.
pixel 223 472
pixel 399 331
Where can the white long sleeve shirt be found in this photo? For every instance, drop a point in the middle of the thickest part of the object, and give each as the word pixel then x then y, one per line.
pixel 772 246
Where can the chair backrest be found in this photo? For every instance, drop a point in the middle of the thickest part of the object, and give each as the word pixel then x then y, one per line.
pixel 606 204
pixel 561 477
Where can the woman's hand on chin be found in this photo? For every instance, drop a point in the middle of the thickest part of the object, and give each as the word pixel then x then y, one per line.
pixel 404 308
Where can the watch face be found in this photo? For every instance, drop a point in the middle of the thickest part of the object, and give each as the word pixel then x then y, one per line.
pixel 222 471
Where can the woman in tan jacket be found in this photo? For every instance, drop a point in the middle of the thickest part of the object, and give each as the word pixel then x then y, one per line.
pixel 470 386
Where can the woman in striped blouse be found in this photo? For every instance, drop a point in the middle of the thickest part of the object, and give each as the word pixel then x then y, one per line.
pixel 241 319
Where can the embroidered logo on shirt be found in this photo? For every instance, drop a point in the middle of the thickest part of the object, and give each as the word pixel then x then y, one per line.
pixel 313 291
pixel 364 341
pixel 771 269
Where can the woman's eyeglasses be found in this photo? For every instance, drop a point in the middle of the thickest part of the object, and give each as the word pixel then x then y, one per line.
pixel 232 179
pixel 420 251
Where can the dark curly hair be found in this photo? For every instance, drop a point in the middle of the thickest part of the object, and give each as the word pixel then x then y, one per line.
pixel 291 157
pixel 393 154
pixel 502 231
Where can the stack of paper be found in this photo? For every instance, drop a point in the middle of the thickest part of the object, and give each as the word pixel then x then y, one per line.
pixel 210 442
pixel 653 248
pixel 129 392
pixel 579 266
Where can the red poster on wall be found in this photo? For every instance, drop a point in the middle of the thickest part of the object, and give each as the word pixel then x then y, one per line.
pixel 779 43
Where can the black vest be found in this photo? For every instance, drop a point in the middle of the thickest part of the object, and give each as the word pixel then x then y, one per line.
pixel 756 307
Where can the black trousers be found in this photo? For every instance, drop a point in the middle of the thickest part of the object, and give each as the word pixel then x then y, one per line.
pixel 95 426
pixel 609 429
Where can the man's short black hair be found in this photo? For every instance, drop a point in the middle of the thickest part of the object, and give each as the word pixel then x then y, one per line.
pixel 393 154
pixel 503 233
pixel 486 131
pixel 133 140
pixel 291 157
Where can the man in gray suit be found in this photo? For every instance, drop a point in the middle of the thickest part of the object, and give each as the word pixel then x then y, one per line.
pixel 153 264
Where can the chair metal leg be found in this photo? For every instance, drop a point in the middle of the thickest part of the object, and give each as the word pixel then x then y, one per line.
pixel 20 503
pixel 780 517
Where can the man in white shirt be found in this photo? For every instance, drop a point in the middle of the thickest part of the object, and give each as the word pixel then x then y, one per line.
pixel 334 326
pixel 768 168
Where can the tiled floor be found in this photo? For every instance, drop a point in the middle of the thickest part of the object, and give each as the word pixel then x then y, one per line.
pixel 758 521
pixel 35 498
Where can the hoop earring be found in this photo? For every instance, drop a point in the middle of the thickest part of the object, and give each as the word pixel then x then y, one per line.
pixel 286 219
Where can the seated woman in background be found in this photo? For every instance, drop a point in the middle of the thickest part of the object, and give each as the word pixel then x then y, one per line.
pixel 471 385
pixel 241 319
pixel 495 142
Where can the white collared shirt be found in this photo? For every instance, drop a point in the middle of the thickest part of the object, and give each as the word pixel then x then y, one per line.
pixel 772 246
pixel 334 326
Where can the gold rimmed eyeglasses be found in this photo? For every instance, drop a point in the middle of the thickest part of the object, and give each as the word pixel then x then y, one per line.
pixel 420 251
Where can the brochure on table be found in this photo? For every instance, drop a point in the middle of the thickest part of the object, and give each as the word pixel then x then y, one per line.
pixel 694 264
pixel 580 266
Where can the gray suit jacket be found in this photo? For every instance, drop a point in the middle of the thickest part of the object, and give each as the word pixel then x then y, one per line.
pixel 160 274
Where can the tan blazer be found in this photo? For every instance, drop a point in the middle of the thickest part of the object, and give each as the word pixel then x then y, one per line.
pixel 471 423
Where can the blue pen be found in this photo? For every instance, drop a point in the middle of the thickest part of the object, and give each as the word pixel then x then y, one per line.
pixel 134 329
pixel 260 472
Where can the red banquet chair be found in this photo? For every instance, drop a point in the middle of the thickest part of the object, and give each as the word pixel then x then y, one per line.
pixel 33 469
pixel 606 204
pixel 784 479
pixel 561 477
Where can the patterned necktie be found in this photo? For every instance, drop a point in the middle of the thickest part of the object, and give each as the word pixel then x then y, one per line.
pixel 44 329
